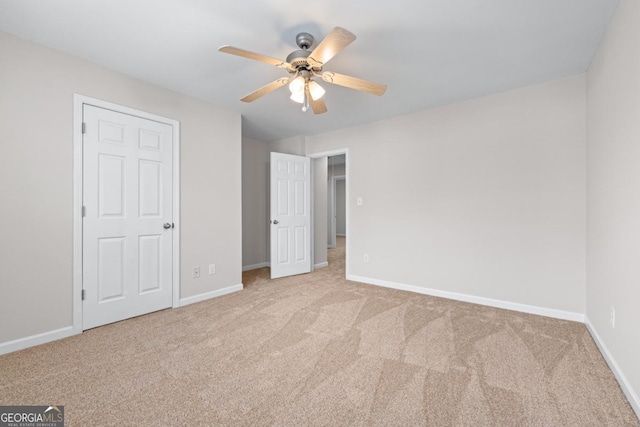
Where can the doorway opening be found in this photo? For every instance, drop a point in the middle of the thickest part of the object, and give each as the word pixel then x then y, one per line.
pixel 336 199
pixel 337 213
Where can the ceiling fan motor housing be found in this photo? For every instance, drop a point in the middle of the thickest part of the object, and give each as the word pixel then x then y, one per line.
pixel 298 59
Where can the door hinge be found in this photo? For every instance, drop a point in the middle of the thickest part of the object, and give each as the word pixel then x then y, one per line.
pixel 84 127
pixel 84 211
pixel 83 294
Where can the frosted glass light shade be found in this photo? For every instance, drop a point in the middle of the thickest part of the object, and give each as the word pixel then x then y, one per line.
pixel 316 90
pixel 297 85
pixel 298 97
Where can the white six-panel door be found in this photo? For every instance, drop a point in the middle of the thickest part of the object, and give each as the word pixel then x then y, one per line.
pixel 290 215
pixel 127 223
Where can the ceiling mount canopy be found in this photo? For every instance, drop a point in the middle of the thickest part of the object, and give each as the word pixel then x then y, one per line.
pixel 304 65
pixel 304 40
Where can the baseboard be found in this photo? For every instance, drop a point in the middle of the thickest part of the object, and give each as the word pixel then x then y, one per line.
pixel 45 337
pixel 321 265
pixel 256 266
pixel 628 391
pixel 33 340
pixel 208 295
pixel 524 308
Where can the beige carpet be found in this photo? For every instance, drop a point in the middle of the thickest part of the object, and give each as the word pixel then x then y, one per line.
pixel 318 350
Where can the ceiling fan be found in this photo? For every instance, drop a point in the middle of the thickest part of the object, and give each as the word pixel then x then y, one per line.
pixel 304 65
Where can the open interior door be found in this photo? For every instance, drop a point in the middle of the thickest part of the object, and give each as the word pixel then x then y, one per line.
pixel 290 215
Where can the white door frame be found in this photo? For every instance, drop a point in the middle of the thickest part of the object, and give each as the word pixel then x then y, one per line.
pixel 339 152
pixel 333 207
pixel 78 102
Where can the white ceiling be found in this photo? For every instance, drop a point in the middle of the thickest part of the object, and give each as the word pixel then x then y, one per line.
pixel 429 52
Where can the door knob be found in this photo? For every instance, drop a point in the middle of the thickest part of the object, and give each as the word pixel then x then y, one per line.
pixel 275 221
pixel 167 225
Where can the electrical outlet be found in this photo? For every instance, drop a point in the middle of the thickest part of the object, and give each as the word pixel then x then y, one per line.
pixel 212 269
pixel 365 258
pixel 613 317
pixel 196 272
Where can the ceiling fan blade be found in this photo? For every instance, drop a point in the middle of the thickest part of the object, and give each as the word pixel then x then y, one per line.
pixel 255 56
pixel 330 46
pixel 317 106
pixel 354 83
pixel 265 90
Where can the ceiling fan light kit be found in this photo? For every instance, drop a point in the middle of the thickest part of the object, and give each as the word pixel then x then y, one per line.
pixel 302 65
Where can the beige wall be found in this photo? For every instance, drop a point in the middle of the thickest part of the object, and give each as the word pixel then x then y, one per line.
pixel 613 208
pixel 483 198
pixel 36 166
pixel 294 145
pixel 255 212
